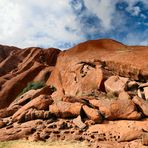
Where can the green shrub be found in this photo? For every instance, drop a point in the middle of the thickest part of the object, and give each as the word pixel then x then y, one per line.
pixel 53 89
pixel 33 86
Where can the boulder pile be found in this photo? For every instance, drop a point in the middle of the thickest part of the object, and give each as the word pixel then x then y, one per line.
pixel 96 92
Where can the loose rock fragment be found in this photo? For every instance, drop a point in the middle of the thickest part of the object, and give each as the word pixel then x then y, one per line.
pixel 132 85
pixel 92 114
pixel 143 85
pixel 78 122
pixel 115 84
pixel 143 91
pixel 146 93
pixel 143 104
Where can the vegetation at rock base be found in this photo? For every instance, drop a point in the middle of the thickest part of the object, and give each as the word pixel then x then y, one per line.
pixel 33 86
pixel 53 88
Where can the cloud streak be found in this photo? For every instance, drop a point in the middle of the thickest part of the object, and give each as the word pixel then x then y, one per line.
pixel 64 23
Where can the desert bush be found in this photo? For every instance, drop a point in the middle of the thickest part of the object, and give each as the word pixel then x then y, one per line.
pixel 53 88
pixel 33 86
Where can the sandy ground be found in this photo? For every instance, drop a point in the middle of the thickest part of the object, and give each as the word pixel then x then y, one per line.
pixel 27 144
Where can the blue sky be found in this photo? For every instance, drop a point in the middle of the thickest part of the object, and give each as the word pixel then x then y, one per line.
pixel 64 23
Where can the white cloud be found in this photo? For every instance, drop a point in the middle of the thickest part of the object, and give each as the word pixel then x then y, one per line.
pixel 10 19
pixel 136 38
pixel 104 9
pixel 135 10
pixel 48 23
pixel 35 23
pixel 143 16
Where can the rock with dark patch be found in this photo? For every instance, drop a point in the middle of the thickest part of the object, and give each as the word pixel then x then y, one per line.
pixel 143 91
pixel 30 95
pixel 33 114
pixel 7 112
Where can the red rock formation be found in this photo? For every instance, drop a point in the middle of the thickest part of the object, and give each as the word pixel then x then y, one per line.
pixel 93 82
pixel 81 62
pixel 41 103
pixel 22 67
pixel 5 51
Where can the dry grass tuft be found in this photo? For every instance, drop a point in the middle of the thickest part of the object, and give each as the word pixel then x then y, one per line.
pixel 56 144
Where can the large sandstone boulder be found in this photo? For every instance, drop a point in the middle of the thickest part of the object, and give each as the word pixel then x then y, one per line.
pixel 92 114
pixel 7 112
pixel 65 109
pixel 30 95
pixel 121 108
pixel 115 84
pixel 121 130
pixel 18 131
pixel 79 79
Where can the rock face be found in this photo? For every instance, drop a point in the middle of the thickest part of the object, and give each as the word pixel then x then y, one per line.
pixel 5 51
pixel 96 92
pixel 21 67
pixel 78 71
